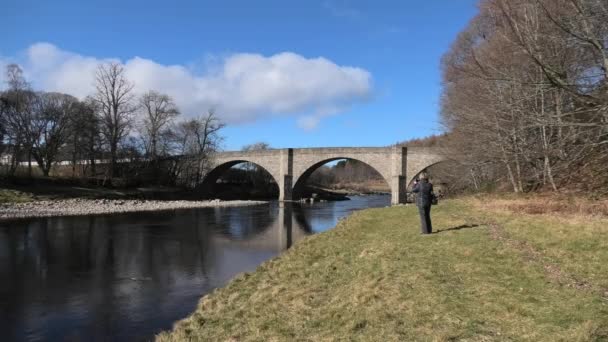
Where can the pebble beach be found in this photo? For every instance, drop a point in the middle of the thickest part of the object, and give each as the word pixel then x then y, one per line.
pixel 79 207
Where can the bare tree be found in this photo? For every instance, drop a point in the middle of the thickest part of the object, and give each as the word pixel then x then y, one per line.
pixel 197 140
pixel 206 133
pixel 17 107
pixel 525 93
pixel 158 112
pixel 4 108
pixel 115 101
pixel 84 141
pixel 49 127
pixel 15 78
pixel 200 136
pixel 258 146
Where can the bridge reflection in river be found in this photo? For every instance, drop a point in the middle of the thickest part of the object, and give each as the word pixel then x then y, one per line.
pixel 128 276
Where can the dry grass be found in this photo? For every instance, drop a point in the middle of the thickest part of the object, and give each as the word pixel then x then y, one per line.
pixel 374 278
pixel 572 238
pixel 14 196
pixel 379 185
pixel 549 204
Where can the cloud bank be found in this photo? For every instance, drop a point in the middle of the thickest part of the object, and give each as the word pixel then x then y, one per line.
pixel 243 88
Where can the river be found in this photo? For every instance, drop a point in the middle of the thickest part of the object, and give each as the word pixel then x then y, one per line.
pixel 126 277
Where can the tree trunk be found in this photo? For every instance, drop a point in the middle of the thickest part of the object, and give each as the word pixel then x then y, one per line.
pixel 46 169
pixel 14 161
pixel 511 177
pixel 549 172
pixel 93 167
pixel 474 180
pixel 518 172
pixel 29 162
pixel 111 169
pixel 74 158
pixel 153 148
pixel 74 167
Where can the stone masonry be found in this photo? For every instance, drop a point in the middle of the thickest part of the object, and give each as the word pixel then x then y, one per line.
pixel 291 167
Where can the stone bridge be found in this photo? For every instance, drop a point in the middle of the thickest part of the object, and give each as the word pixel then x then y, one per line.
pixel 291 167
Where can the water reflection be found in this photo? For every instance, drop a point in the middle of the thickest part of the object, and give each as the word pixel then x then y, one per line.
pixel 126 277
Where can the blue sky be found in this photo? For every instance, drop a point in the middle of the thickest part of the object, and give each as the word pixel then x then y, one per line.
pixel 352 73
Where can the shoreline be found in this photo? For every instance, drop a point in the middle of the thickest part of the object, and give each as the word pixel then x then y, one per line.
pixel 84 207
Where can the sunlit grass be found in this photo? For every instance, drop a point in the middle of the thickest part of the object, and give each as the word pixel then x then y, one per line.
pixel 14 196
pixel 375 278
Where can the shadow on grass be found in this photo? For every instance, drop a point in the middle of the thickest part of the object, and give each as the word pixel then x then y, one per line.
pixel 463 226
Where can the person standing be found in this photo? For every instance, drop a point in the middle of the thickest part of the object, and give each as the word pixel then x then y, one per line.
pixel 424 191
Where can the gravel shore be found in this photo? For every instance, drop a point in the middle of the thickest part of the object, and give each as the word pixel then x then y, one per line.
pixel 77 207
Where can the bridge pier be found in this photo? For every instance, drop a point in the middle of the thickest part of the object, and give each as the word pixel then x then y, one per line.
pixel 286 188
pixel 398 173
pixel 286 175
pixel 398 193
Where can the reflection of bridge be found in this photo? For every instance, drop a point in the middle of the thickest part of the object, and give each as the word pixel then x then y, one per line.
pixel 291 167
pixel 277 236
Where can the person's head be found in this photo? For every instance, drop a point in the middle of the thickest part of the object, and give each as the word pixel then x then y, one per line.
pixel 423 177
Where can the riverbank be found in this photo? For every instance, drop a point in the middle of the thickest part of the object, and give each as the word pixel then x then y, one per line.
pixel 39 189
pixel 372 187
pixel 487 274
pixel 81 206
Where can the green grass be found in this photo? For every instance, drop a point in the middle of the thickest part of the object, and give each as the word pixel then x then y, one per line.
pixel 374 278
pixel 14 196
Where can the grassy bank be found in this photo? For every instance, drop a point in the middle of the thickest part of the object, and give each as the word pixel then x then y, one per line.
pixel 14 196
pixel 49 188
pixel 488 274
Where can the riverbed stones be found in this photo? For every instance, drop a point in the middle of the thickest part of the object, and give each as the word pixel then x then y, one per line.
pixel 79 206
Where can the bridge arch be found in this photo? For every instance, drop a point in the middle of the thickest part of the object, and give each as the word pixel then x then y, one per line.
pixel 300 180
pixel 210 179
pixel 418 172
pixel 420 159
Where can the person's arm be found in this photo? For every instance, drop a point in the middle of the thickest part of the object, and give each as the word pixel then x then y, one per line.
pixel 416 188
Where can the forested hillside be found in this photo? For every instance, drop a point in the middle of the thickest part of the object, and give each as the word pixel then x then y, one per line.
pixel 525 96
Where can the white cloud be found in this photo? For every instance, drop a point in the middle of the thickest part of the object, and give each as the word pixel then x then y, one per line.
pixel 308 122
pixel 244 88
pixel 342 9
pixel 311 122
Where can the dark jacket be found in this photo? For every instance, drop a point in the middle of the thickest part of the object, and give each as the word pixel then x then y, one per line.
pixel 424 190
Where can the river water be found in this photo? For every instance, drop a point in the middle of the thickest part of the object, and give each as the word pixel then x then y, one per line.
pixel 126 277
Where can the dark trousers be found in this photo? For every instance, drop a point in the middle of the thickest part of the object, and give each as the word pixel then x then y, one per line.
pixel 425 219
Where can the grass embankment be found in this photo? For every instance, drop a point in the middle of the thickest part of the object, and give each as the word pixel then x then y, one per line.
pixel 32 189
pixel 14 196
pixel 489 274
